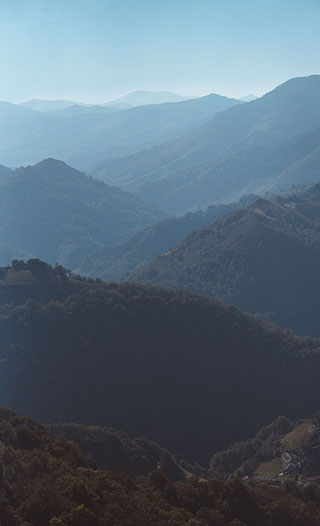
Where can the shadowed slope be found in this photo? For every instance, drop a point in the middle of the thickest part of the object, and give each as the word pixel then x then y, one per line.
pixel 181 369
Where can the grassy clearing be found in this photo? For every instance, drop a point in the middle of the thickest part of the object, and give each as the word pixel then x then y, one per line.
pixel 269 469
pixel 300 434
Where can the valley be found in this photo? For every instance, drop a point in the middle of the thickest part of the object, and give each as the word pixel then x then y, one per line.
pixel 159 264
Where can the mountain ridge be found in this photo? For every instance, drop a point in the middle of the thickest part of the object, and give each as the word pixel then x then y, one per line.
pixel 52 211
pixel 263 259
pixel 84 139
pixel 198 169
pixel 113 263
pixel 142 97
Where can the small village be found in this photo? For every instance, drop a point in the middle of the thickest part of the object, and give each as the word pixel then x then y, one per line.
pixel 300 463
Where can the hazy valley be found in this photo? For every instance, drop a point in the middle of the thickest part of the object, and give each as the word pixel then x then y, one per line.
pixel 159 266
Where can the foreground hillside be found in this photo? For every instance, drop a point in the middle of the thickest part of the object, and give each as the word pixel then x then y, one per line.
pixel 116 450
pixel 181 369
pixel 46 481
pixel 267 144
pixel 265 259
pixel 113 263
pixel 56 213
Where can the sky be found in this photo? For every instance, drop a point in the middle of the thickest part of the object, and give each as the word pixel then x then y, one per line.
pixel 96 50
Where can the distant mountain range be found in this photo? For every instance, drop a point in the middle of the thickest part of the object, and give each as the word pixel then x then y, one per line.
pixel 84 135
pixel 81 109
pixel 178 368
pixel 113 263
pixel 54 212
pixel 49 105
pixel 264 259
pixel 142 98
pixel 134 98
pixel 268 144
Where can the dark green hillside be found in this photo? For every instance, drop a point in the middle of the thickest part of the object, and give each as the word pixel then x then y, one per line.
pixel 53 212
pixel 38 281
pixel 181 369
pixel 46 481
pixel 267 144
pixel 264 259
pixel 115 450
pixel 112 263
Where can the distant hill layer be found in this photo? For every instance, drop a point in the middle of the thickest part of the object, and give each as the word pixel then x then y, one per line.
pixel 84 136
pixel 54 212
pixel 113 263
pixel 48 105
pixel 264 259
pixel 257 170
pixel 267 144
pixel 180 369
pixel 141 98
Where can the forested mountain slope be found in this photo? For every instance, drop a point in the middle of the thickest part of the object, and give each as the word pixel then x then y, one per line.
pixel 52 211
pixel 279 450
pixel 116 450
pixel 265 259
pixel 180 369
pixel 260 169
pixel 113 263
pixel 46 481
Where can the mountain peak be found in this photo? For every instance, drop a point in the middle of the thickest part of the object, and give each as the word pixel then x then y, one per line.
pixel 51 161
pixel 53 168
pixel 143 98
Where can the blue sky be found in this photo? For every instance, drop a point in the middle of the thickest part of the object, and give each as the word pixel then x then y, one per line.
pixel 95 50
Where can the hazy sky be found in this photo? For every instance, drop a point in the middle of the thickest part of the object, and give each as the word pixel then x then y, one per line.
pixel 95 50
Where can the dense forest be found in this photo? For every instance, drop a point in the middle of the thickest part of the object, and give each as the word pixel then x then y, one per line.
pixel 264 259
pixel 116 450
pixel 113 263
pixel 47 481
pixel 181 369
